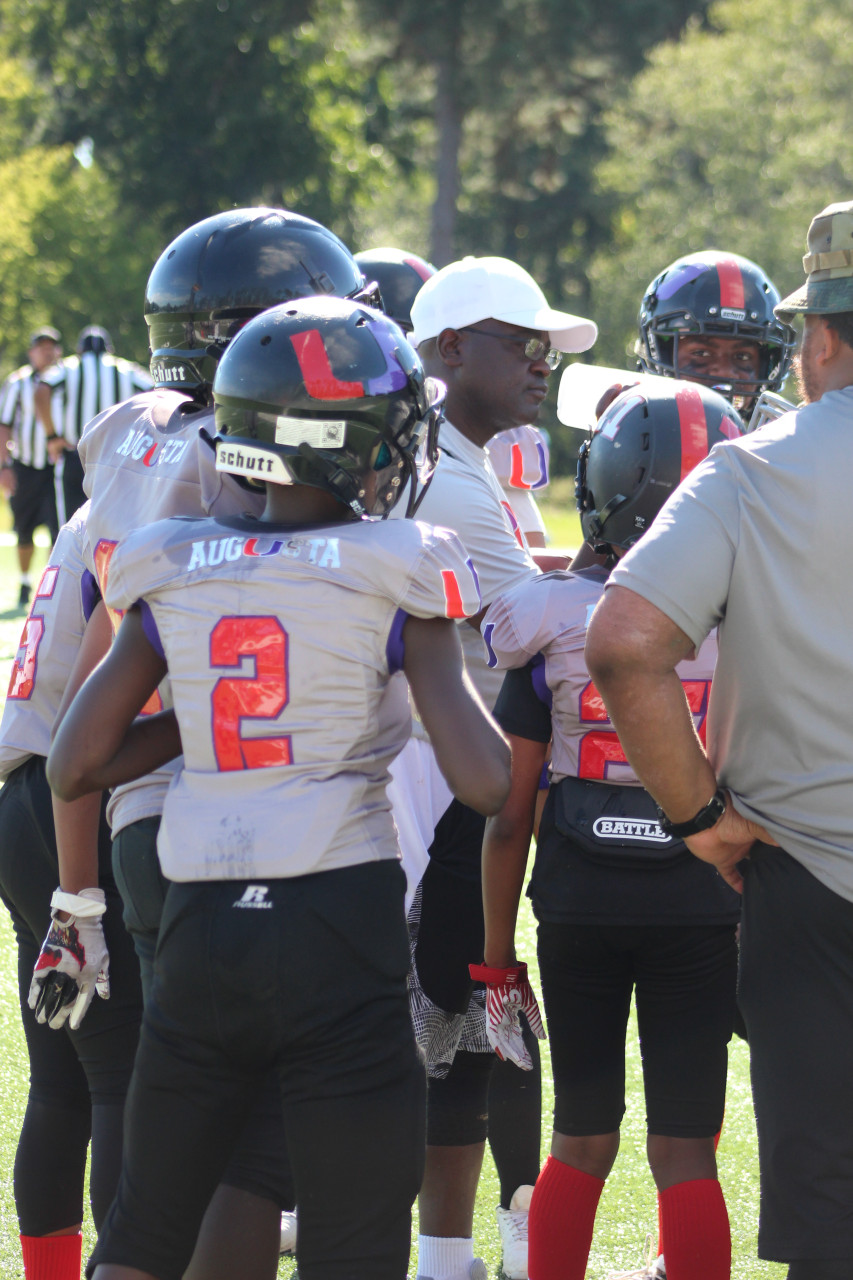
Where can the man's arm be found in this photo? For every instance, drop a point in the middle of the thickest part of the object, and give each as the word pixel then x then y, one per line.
pixel 632 650
pixel 55 443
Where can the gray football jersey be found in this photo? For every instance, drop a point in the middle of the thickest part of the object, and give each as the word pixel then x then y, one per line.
pixel 282 648
pixel 550 615
pixel 145 460
pixel 62 603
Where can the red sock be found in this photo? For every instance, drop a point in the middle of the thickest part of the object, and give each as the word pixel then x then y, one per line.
pixel 696 1225
pixel 562 1216
pixel 717 1137
pixel 52 1257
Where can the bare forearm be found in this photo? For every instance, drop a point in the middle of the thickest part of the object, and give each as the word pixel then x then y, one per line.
pixel 77 824
pixel 504 863
pixel 97 764
pixel 506 846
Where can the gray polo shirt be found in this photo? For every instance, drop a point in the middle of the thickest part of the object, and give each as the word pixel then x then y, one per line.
pixel 759 542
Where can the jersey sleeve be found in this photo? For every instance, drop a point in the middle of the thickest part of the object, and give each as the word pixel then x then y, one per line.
pixel 443 583
pixel 9 396
pixel 522 621
pixel 127 575
pixel 520 708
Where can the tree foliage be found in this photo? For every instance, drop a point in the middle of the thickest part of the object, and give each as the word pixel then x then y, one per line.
pixel 733 138
pixel 69 254
pixel 198 105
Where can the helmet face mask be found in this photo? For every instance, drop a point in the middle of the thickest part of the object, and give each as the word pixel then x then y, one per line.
pixel 222 271
pixel 715 295
pixel 642 447
pixel 328 393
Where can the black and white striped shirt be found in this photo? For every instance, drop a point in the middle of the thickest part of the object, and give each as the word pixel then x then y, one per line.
pixel 17 411
pixel 86 385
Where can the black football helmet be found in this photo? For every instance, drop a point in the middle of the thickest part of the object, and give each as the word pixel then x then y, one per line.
pixel 642 447
pixel 328 392
pixel 721 295
pixel 399 276
pixel 219 272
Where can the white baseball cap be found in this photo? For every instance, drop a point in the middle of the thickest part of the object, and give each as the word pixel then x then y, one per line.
pixel 475 289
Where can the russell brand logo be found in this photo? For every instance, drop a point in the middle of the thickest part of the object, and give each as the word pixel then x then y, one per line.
pixel 254 895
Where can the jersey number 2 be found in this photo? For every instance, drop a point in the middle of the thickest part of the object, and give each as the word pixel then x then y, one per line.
pixel 261 696
pixel 601 747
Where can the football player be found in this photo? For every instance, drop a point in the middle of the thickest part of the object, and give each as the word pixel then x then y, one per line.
pixel 622 905
pixel 78 1078
pixel 151 457
pixel 708 318
pixel 281 637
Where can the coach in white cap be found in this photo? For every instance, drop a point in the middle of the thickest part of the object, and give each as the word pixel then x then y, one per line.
pixel 484 327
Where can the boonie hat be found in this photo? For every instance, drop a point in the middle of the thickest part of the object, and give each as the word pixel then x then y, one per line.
pixel 828 266
pixel 46 333
pixel 475 289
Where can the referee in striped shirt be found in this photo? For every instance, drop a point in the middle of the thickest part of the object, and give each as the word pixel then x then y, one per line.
pixel 26 473
pixel 75 391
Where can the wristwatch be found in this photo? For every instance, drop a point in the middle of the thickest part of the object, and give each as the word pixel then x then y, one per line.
pixel 708 816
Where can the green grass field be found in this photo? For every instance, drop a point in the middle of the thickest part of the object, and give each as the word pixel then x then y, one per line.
pixel 627 1212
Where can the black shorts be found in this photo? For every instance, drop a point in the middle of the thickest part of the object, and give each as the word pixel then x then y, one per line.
pixel 305 976
pixel 258 1163
pixel 684 978
pixel 796 993
pixel 33 503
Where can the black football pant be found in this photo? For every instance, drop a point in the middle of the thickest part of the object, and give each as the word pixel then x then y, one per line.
pixel 307 977
pixel 78 1079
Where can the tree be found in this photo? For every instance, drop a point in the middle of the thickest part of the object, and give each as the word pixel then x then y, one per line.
pixel 68 255
pixel 193 106
pixel 733 138
pixel 515 91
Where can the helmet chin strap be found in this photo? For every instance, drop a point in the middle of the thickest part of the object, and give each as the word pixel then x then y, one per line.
pixel 336 480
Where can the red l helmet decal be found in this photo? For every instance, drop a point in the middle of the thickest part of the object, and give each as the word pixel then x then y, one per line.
pixel 320 382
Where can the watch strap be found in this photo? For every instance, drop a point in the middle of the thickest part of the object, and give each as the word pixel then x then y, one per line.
pixel 708 816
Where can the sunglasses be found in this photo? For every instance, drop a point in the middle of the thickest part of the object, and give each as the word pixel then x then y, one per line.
pixel 533 349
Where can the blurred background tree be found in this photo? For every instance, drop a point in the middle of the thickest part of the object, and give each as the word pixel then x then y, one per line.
pixel 592 143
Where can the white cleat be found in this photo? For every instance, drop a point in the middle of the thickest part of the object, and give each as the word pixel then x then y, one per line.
pixel 512 1224
pixel 288 1232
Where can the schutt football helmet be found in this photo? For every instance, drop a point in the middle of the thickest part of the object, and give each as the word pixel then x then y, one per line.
pixel 328 392
pixel 221 271
pixel 399 276
pixel 720 295
pixel 643 446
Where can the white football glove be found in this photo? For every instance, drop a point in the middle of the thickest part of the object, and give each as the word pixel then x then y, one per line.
pixel 508 993
pixel 73 963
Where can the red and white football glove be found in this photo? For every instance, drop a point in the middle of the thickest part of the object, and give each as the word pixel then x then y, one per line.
pixel 73 963
pixel 508 993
